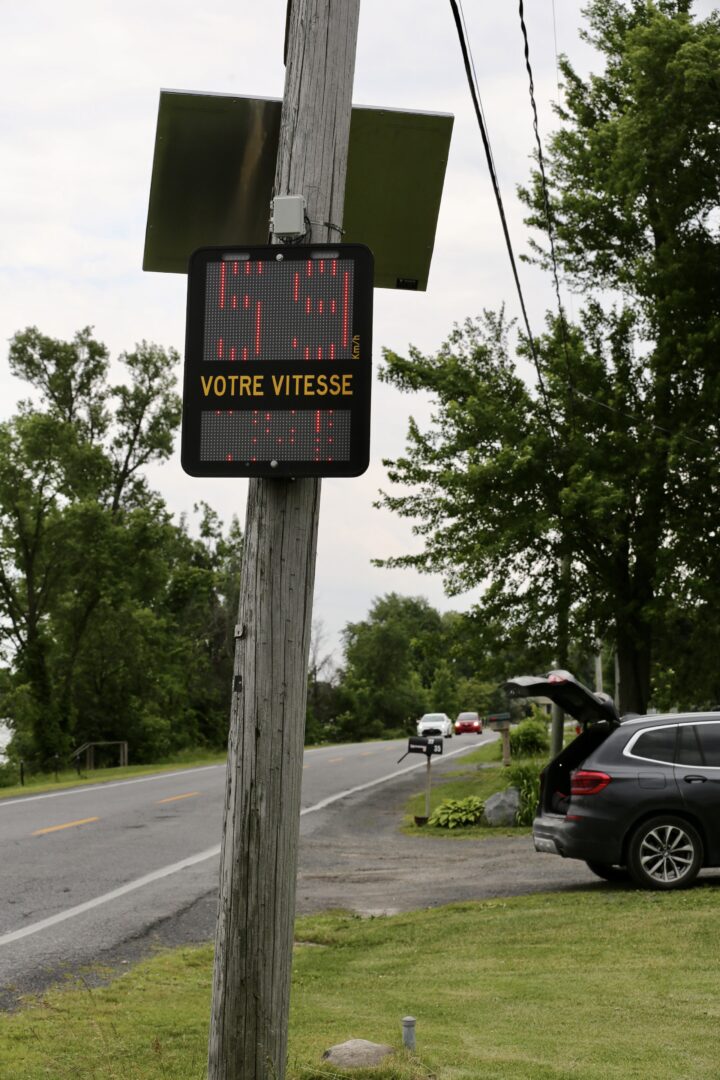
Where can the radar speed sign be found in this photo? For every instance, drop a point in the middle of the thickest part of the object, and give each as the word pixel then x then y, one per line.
pixel 278 361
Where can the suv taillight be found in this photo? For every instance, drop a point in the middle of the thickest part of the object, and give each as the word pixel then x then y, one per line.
pixel 585 782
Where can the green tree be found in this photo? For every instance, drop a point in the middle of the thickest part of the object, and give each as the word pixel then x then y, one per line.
pixel 443 695
pixel 324 699
pixel 635 180
pixel 114 621
pixel 386 657
pixel 611 468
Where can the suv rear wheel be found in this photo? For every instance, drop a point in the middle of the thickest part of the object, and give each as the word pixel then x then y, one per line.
pixel 664 853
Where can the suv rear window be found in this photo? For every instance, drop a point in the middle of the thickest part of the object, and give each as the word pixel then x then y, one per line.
pixel 697 744
pixel 688 750
pixel 709 736
pixel 657 744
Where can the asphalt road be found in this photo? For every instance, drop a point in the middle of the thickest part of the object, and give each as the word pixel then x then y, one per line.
pixel 100 874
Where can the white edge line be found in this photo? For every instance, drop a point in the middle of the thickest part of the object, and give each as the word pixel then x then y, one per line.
pixel 191 860
pixel 20 800
pixel 70 913
pixel 383 779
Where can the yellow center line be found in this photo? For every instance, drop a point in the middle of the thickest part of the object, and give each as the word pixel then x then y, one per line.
pixel 367 753
pixel 332 760
pixel 174 798
pixel 67 825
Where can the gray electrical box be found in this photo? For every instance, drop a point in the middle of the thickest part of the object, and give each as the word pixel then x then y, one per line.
pixel 288 216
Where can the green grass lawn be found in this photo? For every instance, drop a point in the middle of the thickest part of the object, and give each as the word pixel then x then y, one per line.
pixel 607 984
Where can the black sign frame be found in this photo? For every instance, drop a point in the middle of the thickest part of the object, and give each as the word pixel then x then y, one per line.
pixel 323 391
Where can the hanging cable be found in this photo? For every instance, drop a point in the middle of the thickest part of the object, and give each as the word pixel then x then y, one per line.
pixel 553 258
pixel 548 216
pixel 468 62
pixel 470 72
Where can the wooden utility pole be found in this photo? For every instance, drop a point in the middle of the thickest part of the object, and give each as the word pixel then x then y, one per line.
pixel 258 862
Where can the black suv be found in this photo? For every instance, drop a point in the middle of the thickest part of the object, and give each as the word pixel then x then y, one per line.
pixel 635 796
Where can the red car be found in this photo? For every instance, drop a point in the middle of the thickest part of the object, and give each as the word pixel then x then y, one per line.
pixel 468 722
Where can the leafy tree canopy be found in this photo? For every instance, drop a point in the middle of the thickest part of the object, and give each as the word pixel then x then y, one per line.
pixel 609 470
pixel 114 622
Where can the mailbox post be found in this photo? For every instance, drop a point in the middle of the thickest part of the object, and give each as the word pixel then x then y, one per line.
pixel 430 745
pixel 501 722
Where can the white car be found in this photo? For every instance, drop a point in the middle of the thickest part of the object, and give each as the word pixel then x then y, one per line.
pixel 435 723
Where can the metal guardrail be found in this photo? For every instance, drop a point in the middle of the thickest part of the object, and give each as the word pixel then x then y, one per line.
pixel 88 749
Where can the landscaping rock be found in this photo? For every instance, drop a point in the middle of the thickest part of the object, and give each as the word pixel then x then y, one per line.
pixel 502 808
pixel 357 1053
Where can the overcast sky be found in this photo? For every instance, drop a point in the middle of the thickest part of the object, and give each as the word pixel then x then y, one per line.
pixel 80 82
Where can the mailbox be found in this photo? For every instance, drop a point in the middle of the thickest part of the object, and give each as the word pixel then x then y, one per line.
pixel 498 722
pixel 424 744
pixel 501 722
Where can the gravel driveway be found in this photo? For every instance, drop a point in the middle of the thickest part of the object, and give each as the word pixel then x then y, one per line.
pixel 353 856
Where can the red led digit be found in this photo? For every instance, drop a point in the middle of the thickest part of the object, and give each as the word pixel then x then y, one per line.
pixel 222 285
pixel 346 299
pixel 257 329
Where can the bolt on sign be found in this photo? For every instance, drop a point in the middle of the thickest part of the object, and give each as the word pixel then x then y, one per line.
pixel 278 361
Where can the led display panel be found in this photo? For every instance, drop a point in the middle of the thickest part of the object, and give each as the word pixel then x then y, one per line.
pixel 278 361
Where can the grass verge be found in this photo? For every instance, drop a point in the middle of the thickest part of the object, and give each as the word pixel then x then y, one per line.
pixel 67 778
pixel 608 984
pixel 478 773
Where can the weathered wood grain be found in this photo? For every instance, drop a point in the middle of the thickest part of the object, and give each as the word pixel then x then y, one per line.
pixel 258 863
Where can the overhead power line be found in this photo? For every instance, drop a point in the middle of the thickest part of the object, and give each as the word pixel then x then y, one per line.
pixel 475 94
pixel 548 214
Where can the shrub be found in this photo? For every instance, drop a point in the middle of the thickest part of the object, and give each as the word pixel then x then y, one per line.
pixel 9 774
pixel 526 778
pixel 458 812
pixel 529 738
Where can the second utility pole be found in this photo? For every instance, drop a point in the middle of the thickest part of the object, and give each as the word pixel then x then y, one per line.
pixel 258 862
